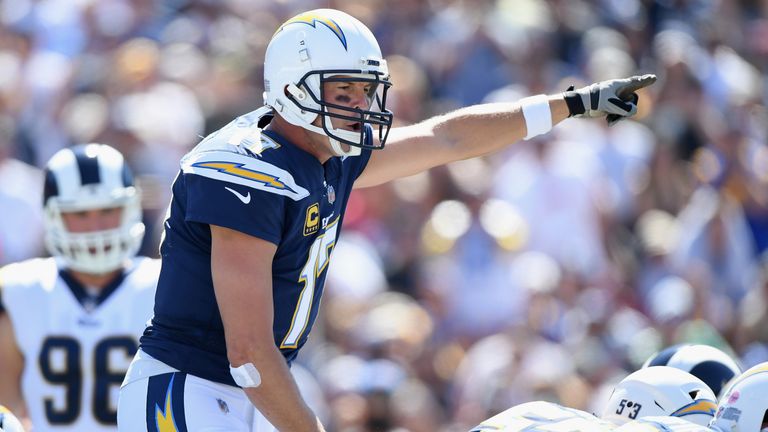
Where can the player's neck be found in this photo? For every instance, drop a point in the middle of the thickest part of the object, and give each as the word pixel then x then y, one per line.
pixel 310 142
pixel 95 281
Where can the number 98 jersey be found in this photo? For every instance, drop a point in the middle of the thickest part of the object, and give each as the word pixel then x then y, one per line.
pixel 76 347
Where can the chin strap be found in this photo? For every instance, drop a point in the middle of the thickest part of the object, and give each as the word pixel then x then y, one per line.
pixel 339 150
pixel 336 146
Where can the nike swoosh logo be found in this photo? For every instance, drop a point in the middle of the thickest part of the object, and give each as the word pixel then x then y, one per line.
pixel 244 198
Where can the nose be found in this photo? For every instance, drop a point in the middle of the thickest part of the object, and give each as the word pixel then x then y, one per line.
pixel 360 98
pixel 95 221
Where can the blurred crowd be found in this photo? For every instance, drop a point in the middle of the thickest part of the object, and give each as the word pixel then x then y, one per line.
pixel 546 271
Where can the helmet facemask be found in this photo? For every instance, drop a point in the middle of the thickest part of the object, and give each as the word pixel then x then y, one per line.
pixel 374 115
pixel 95 252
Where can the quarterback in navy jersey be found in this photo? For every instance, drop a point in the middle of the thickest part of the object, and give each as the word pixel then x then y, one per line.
pixel 257 208
pixel 247 187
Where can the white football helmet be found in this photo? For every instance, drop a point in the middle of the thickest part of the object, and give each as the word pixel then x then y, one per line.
pixel 705 362
pixel 88 177
pixel 327 45
pixel 8 421
pixel 744 405
pixel 660 391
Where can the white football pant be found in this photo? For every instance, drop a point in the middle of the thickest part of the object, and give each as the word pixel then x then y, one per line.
pixel 178 402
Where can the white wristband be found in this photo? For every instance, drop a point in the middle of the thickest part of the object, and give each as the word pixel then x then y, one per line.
pixel 246 376
pixel 538 117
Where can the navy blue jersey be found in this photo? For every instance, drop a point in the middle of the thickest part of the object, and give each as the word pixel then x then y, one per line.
pixel 255 182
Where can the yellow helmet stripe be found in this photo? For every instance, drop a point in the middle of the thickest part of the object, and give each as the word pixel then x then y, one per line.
pixel 312 18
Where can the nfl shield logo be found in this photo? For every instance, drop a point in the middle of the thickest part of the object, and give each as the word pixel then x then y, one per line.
pixel 331 194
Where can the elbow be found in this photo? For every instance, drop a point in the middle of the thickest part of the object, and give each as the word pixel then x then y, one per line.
pixel 239 351
pixel 247 349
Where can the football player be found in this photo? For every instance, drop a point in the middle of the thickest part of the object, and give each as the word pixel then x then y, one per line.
pixel 744 405
pixel 705 362
pixel 683 400
pixel 258 206
pixel 543 416
pixel 71 323
pixel 660 391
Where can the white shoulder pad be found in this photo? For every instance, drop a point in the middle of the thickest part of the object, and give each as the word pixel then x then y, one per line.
pixel 662 424
pixel 239 135
pixel 36 271
pixel 244 170
pixel 540 416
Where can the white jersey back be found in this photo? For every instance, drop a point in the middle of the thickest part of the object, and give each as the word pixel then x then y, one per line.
pixel 76 348
pixel 540 416
pixel 662 424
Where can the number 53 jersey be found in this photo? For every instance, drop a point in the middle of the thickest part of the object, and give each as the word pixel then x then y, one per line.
pixel 76 346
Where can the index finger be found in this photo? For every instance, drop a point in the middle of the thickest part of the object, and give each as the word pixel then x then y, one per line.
pixel 635 83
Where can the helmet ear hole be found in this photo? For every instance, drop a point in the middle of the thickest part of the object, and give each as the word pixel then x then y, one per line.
pixel 693 394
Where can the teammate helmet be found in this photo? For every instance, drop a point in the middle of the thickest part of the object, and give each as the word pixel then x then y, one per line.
pixel 88 177
pixel 8 421
pixel 660 391
pixel 705 362
pixel 326 45
pixel 744 405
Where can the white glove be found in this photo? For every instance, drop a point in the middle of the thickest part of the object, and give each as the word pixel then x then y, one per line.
pixel 615 99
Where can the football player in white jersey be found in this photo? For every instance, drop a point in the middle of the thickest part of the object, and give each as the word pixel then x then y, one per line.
pixel 744 405
pixel 541 416
pixel 660 391
pixel 655 398
pixel 70 324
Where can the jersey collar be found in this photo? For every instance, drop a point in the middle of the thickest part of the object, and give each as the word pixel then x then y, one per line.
pixel 90 302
